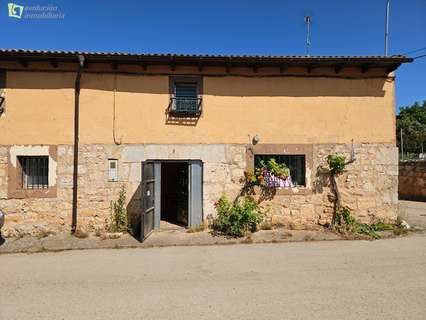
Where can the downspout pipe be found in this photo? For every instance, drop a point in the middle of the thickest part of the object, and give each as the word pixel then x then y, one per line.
pixel 81 60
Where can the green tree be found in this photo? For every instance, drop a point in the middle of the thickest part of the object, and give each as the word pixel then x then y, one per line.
pixel 412 120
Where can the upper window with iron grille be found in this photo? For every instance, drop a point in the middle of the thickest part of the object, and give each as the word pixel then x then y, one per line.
pixel 185 96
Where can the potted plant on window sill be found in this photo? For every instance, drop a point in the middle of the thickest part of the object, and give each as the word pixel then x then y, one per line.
pixel 269 174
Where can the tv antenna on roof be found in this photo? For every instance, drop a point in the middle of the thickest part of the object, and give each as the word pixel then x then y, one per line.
pixel 308 20
pixel 387 27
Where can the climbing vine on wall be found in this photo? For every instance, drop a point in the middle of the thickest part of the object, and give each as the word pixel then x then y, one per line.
pixel 342 220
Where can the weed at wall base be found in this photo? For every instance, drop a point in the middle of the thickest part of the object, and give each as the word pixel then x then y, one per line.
pixel 118 218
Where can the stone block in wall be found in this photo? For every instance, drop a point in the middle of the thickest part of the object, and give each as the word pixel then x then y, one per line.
pixel 216 173
pixel 387 214
pixel 392 170
pixel 135 172
pixel 236 155
pixel 3 171
pixel 281 221
pixel 366 203
pixel 387 155
pixel 237 174
pixel 214 189
pixel 133 154
pixel 308 212
pixel 124 171
pixel 210 153
pixel 4 154
pixel 3 193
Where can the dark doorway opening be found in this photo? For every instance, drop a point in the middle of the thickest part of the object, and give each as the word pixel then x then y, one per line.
pixel 174 194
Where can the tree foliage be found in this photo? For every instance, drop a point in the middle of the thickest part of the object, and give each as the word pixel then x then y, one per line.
pixel 412 120
pixel 336 163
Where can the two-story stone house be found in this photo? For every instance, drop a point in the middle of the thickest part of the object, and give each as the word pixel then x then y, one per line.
pixel 179 130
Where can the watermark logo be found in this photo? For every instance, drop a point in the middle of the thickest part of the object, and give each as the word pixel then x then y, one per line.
pixel 34 12
pixel 15 10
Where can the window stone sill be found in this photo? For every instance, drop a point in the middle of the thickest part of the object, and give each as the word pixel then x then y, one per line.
pixel 287 191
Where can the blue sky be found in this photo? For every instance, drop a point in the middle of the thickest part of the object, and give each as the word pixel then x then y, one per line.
pixel 339 27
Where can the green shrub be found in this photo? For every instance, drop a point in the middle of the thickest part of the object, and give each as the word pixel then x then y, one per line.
pixel 238 217
pixel 118 218
pixel 380 226
pixel 336 163
pixel 363 228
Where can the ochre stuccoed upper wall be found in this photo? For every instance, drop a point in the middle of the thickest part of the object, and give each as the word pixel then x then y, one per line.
pixel 290 109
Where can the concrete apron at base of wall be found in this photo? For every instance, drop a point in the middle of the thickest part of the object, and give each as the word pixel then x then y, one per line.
pixel 413 212
pixel 368 187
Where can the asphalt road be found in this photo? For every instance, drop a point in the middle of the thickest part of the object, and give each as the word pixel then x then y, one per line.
pixel 383 279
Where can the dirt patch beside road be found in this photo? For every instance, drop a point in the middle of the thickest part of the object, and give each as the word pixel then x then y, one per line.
pixel 65 241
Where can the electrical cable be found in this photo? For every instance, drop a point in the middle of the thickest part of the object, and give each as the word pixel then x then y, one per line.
pixel 409 52
pixel 413 51
pixel 418 57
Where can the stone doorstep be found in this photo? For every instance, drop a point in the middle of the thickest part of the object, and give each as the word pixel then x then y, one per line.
pixel 64 241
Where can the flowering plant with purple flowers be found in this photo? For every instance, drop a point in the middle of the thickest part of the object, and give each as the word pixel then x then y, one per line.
pixel 269 174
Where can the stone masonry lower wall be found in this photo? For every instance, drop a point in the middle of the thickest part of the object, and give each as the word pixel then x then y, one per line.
pixel 223 167
pixel 369 187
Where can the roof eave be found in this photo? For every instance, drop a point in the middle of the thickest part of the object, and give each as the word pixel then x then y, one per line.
pixel 391 62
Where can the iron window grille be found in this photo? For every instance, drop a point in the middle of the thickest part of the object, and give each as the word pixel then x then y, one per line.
pixel 2 91
pixel 185 101
pixel 296 164
pixel 2 99
pixel 35 172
